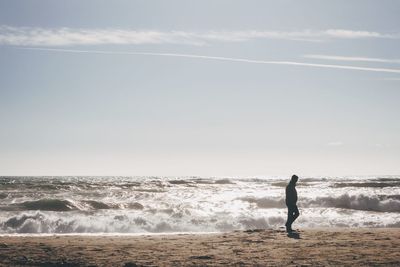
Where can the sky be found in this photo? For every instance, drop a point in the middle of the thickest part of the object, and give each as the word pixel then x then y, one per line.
pixel 200 88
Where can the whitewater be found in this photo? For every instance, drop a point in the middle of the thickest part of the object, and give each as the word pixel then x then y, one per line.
pixel 139 205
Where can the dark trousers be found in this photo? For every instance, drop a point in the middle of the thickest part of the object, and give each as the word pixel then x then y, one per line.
pixel 293 213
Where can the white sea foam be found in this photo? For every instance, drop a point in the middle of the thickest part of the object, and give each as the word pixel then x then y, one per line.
pixel 140 205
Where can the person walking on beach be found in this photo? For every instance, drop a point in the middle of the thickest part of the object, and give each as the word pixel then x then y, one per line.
pixel 291 203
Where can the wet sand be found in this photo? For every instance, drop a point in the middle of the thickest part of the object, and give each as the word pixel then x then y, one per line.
pixel 327 247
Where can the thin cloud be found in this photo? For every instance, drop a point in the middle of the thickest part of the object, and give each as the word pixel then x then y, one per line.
pixel 291 63
pixel 349 34
pixel 36 36
pixel 391 79
pixel 353 59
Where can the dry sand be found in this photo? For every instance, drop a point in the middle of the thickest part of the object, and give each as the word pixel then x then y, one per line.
pixel 320 247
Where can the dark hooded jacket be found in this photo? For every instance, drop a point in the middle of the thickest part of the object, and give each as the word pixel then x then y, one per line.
pixel 291 194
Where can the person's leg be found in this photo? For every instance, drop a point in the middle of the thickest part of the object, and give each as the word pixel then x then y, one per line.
pixel 289 219
pixel 295 213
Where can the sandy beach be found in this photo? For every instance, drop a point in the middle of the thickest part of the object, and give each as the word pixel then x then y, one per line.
pixel 310 247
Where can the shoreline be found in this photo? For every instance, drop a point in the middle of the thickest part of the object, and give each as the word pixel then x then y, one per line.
pixel 330 246
pixel 106 234
pixel 144 234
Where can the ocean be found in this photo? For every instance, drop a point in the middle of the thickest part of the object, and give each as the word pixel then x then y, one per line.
pixel 139 205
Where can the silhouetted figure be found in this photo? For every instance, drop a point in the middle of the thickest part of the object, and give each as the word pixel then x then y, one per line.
pixel 291 200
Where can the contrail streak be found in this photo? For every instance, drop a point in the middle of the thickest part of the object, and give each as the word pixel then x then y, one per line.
pixel 345 58
pixel 292 63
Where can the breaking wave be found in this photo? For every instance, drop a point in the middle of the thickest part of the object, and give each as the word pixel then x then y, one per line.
pixel 379 184
pixel 265 203
pixel 191 204
pixel 345 201
pixel 67 205
pixel 42 222
pixel 356 202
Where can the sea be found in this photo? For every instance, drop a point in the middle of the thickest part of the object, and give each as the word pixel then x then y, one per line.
pixel 158 205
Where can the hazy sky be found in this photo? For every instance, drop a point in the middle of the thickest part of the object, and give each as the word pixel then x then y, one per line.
pixel 208 88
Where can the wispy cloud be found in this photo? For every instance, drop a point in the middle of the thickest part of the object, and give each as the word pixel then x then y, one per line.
pixel 354 59
pixel 391 79
pixel 36 36
pixel 291 63
pixel 349 34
